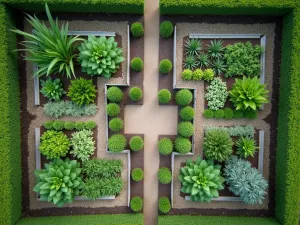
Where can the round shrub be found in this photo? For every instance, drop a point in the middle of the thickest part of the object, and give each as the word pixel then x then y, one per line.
pixel 69 125
pixel 184 97
pixel 135 94
pixel 136 143
pixel 136 204
pixel 197 74
pixel 164 96
pixel 90 125
pixel 185 129
pixel 164 175
pixel 183 145
pixel 228 113
pixel 165 146
pixel 238 114
pixel 219 114
pixel 115 94
pixel 116 124
pixel 250 114
pixel 187 113
pixel 117 143
pixel 208 113
pixel 113 109
pixel 166 29
pixel 58 125
pixel 137 174
pixel 208 74
pixel 49 124
pixel 187 74
pixel 164 204
pixel 165 66
pixel 137 64
pixel 137 29
pixel 79 125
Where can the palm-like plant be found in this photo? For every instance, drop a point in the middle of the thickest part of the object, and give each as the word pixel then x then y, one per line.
pixel 193 46
pixel 203 60
pixel 218 66
pixel 50 48
pixel 215 49
pixel 190 62
pixel 246 147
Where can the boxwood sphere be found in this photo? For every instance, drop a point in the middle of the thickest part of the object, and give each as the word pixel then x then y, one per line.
pixel 137 29
pixel 208 113
pixel 165 66
pixel 135 94
pixel 185 129
pixel 164 204
pixel 136 143
pixel 219 114
pixel 113 109
pixel 164 96
pixel 137 64
pixel 166 29
pixel 137 174
pixel 183 145
pixel 165 146
pixel 136 204
pixel 228 113
pixel 115 94
pixel 187 113
pixel 117 143
pixel 184 97
pixel 237 114
pixel 164 175
pixel 116 124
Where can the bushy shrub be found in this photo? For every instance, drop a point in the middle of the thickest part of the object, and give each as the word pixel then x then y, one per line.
pixel 208 113
pixel 83 145
pixel 165 146
pixel 228 113
pixel 187 113
pixel 79 125
pixel 117 143
pixel 165 66
pixel 250 114
pixel 114 94
pixel 113 109
pixel 216 94
pixel 54 144
pixel 164 96
pixel 90 125
pixel 100 56
pixel 166 29
pixel 82 91
pixel 137 29
pixel 136 204
pixel 245 147
pixel 137 64
pixel 219 114
pixel 217 145
pixel 201 179
pixel 69 125
pixel 137 174
pixel 164 204
pixel 52 89
pixel 187 74
pixel 197 74
pixel 208 74
pixel 193 46
pixel 245 181
pixel 237 114
pixel 136 143
pixel 135 94
pixel 185 129
pixel 116 124
pixel 48 124
pixel 59 182
pixel 184 97
pixel 183 145
pixel 164 175
pixel 58 125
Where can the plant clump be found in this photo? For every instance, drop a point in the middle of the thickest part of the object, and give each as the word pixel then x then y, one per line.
pixel 136 143
pixel 79 125
pixel 164 204
pixel 137 29
pixel 135 94
pixel 114 94
pixel 187 113
pixel 164 175
pixel 208 74
pixel 246 147
pixel 113 109
pixel 137 174
pixel 184 97
pixel 52 89
pixel 216 94
pixel 164 96
pixel 165 66
pixel 116 124
pixel 228 113
pixel 137 64
pixel 117 143
pixel 83 145
pixel 183 145
pixel 165 146
pixel 166 29
pixel 187 74
pixel 237 114
pixel 198 74
pixel 185 129
pixel 219 114
pixel 136 204
pixel 208 113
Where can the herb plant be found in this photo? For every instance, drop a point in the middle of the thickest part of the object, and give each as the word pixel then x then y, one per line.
pixel 219 114
pixel 83 145
pixel 218 66
pixel 166 29
pixel 164 175
pixel 164 204
pixel 182 145
pixel 216 94
pixel 52 89
pixel 203 60
pixel 58 125
pixel 208 74
pixel 165 146
pixel 164 96
pixel 165 66
pixel 197 74
pixel 235 131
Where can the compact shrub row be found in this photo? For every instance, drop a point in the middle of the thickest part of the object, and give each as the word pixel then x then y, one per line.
pixel 59 125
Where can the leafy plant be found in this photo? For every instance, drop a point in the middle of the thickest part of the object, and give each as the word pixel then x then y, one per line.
pixel 208 113
pixel 136 143
pixel 164 204
pixel 164 175
pixel 113 109
pixel 135 94
pixel 59 182
pixel 90 125
pixel 116 124
pixel 201 179
pixel 187 74
pixel 193 46
pixel 245 181
pixel 218 66
pixel 165 66
pixel 164 96
pixel 190 62
pixel 250 114
pixel 100 56
pixel 208 74
pixel 48 124
pixel 183 145
pixel 184 97
pixel 58 125
pixel 137 174
pixel 203 60
pixel 185 129
pixel 165 146
pixel 137 29
pixel 54 144
pixel 137 64
pixel 187 113
pixel 136 204
pixel 228 113
pixel 215 49
pixel 217 145
pixel 246 147
pixel 248 94
pixel 79 125
pixel 166 29
pixel 219 114
pixel 69 125
pixel 117 143
pixel 216 94
pixel 235 131
pixel 237 114
pixel 50 48
pixel 52 89
pixel 114 94
pixel 82 144
pixel 198 74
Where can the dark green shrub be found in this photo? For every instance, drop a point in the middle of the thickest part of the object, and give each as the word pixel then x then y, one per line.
pixel 137 174
pixel 184 97
pixel 114 94
pixel 164 204
pixel 136 143
pixel 52 89
pixel 117 143
pixel 165 66
pixel 48 124
pixel 208 113
pixel 79 125
pixel 183 145
pixel 218 66
pixel 237 114
pixel 228 113
pixel 135 94
pixel 116 124
pixel 69 125
pixel 187 74
pixel 137 29
pixel 197 74
pixel 113 109
pixel 58 125
pixel 190 62
pixel 187 113
pixel 250 114
pixel 166 29
pixel 90 125
pixel 165 146
pixel 219 114
pixel 215 49
pixel 137 64
pixel 164 96
pixel 185 129
pixel 164 175
pixel 136 204
pixel 203 61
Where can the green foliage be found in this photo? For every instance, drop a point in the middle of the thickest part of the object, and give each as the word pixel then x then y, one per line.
pixel 218 66
pixel 235 131
pixel 59 182
pixel 137 174
pixel 187 74
pixel 164 96
pixel 246 147
pixel 52 89
pixel 208 74
pixel 136 143
pixel 165 66
pixel 197 74
pixel 250 114
pixel 116 124
pixel 201 179
pixel 187 113
pixel 117 143
pixel 90 125
pixel 137 29
pixel 185 129
pixel 183 145
pixel 166 29
pixel 79 125
pixel 58 125
pixel 217 145
pixel 245 181
pixel 83 145
pixel 164 175
pixel 48 124
pixel 203 60
pixel 164 204
pixel 54 144
pixel 114 94
pixel 137 64
pixel 113 109
pixel 190 62
pixel 135 94
pixel 219 114
pixel 193 46
pixel 208 113
pixel 184 97
pixel 228 113
pixel 216 94
pixel 100 56
pixel 136 204
pixel 248 94
pixel 215 49
pixel 69 125
pixel 237 114
pixel 243 59
pixel 165 146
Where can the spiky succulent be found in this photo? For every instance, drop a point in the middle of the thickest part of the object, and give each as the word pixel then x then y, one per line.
pixel 100 56
pixel 59 182
pixel 201 179
pixel 193 46
pixel 215 49
pixel 218 66
pixel 246 147
pixel 203 60
pixel 190 62
pixel 52 89
pixel 248 94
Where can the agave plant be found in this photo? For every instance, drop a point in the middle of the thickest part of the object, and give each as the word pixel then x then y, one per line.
pixel 59 182
pixel 215 49
pixel 190 62
pixel 246 147
pixel 201 179
pixel 218 66
pixel 100 56
pixel 193 46
pixel 52 89
pixel 203 60
pixel 248 94
pixel 51 49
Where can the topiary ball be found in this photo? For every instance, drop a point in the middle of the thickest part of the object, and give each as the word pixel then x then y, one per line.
pixel 90 125
pixel 135 94
pixel 79 125
pixel 115 94
pixel 250 114
pixel 164 96
pixel 228 113
pixel 197 74
pixel 136 204
pixel 166 29
pixel 137 64
pixel 187 113
pixel 113 109
pixel 58 125
pixel 117 143
pixel 165 146
pixel 164 175
pixel 237 114
pixel 184 97
pixel 137 29
pixel 165 66
pixel 208 113
pixel 69 125
pixel 183 145
pixel 116 124
pixel 187 74
pixel 164 204
pixel 185 129
pixel 219 114
pixel 137 174
pixel 48 124
pixel 136 143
